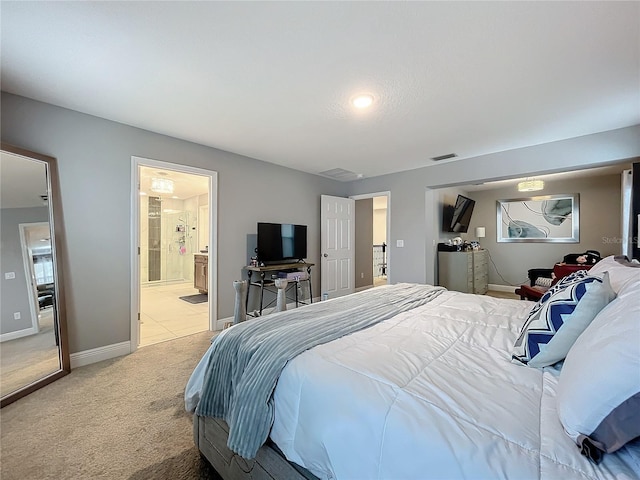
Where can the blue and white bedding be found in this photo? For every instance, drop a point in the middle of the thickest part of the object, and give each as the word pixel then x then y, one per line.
pixel 429 393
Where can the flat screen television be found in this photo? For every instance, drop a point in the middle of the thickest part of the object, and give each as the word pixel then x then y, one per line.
pixel 281 242
pixel 457 218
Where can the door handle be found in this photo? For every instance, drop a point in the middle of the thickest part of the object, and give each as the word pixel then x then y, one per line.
pixel 325 255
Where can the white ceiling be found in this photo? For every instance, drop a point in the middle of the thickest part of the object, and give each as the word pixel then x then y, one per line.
pixel 272 80
pixel 186 185
pixel 23 181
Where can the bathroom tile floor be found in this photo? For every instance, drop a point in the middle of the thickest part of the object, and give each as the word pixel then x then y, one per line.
pixel 165 317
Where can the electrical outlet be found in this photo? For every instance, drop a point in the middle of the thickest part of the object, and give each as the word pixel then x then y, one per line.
pixel 16 316
pixel 361 274
pixel 10 275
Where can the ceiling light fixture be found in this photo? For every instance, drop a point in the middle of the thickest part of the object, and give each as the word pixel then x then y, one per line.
pixel 162 185
pixel 364 100
pixel 530 185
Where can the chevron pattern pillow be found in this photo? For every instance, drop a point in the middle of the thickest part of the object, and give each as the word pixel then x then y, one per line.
pixel 559 317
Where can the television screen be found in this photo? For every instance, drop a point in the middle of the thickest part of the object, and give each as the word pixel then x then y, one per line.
pixel 279 242
pixel 457 218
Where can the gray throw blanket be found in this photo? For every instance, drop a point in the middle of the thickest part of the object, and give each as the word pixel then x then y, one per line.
pixel 246 360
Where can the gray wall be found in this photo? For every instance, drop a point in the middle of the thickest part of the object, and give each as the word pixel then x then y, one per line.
pixel 94 162
pixel 600 215
pixel 14 294
pixel 94 157
pixel 364 242
pixel 414 204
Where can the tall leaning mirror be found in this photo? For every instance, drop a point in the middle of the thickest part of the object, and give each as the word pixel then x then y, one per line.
pixel 33 335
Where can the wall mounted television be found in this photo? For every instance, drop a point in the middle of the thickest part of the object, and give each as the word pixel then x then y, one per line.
pixel 457 218
pixel 281 242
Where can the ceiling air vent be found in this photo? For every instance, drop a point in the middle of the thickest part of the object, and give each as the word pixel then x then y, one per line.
pixel 444 157
pixel 340 174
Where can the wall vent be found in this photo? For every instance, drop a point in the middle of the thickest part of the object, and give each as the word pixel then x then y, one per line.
pixel 444 157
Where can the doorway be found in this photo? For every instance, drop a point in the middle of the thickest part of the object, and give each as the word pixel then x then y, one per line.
pixel 380 240
pixel 372 239
pixel 35 240
pixel 173 229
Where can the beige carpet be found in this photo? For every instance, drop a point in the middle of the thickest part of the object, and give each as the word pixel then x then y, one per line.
pixel 27 359
pixel 119 419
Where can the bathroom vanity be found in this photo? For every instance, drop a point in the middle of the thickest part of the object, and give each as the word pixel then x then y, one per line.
pixel 200 272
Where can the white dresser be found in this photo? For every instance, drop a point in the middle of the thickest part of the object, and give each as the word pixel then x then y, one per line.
pixel 464 271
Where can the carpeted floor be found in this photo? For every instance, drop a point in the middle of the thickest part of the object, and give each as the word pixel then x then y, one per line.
pixel 26 359
pixel 119 419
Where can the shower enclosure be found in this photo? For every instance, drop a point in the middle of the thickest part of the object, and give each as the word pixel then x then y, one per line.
pixel 167 230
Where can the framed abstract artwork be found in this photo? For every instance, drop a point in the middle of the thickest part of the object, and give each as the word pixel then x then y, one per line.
pixel 546 218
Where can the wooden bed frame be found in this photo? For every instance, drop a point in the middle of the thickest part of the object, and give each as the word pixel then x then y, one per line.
pixel 210 436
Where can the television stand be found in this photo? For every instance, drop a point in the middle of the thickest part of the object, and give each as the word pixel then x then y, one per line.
pixel 268 282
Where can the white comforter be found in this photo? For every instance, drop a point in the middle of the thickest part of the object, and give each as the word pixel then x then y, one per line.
pixel 431 393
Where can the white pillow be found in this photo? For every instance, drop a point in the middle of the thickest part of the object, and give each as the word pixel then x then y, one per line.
pixel 599 387
pixel 620 271
pixel 561 315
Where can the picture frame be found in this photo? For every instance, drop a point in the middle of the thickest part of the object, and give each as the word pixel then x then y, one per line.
pixel 544 218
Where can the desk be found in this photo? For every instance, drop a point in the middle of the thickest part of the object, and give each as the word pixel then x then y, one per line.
pixel 268 282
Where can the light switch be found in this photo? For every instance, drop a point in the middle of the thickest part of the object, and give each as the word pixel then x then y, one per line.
pixel 10 275
pixel 399 243
pixel 16 316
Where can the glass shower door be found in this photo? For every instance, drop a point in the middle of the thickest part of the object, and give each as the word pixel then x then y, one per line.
pixel 178 250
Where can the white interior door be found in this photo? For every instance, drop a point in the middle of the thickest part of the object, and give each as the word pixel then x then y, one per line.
pixel 337 245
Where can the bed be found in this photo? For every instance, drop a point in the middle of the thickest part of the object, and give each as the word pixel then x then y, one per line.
pixel 439 388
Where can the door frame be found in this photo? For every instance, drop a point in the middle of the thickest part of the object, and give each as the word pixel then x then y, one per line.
pixel 387 194
pixel 29 272
pixel 137 162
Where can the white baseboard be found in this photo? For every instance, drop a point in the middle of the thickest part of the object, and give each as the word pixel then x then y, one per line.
pixel 87 357
pixel 219 324
pixel 17 334
pixel 502 288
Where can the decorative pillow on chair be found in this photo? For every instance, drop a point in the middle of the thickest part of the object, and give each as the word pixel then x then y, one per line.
pixel 599 387
pixel 559 317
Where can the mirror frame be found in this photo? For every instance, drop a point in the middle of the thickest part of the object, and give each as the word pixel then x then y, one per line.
pixel 57 241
